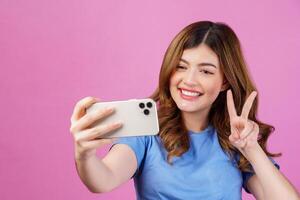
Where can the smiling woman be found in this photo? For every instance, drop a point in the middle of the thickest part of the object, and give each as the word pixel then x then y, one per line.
pixel 205 149
pixel 187 83
pixel 211 62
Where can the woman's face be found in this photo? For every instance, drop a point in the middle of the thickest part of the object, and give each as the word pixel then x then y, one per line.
pixel 197 80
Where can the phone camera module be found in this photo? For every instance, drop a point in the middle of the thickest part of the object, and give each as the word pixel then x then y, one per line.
pixel 149 105
pixel 146 112
pixel 142 105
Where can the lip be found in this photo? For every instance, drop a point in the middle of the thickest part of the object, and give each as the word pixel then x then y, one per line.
pixel 190 90
pixel 188 98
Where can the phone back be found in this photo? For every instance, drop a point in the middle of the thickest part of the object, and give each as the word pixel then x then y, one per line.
pixel 139 117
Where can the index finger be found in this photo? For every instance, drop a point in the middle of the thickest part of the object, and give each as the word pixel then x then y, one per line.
pixel 248 104
pixel 230 105
pixel 81 106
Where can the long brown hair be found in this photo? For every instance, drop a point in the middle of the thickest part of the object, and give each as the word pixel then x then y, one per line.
pixel 224 42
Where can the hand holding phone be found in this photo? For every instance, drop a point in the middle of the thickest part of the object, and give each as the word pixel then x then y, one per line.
pixel 138 117
pixel 86 138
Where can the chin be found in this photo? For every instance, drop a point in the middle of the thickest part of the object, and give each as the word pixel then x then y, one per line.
pixel 188 108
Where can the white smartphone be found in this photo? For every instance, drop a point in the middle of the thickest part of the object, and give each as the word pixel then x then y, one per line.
pixel 138 116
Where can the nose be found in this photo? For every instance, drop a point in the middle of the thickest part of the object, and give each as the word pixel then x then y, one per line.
pixel 190 78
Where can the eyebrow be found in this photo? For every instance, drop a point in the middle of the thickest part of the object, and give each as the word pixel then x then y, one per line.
pixel 200 64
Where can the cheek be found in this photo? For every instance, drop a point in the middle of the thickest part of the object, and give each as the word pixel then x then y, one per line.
pixel 174 81
pixel 172 86
pixel 213 89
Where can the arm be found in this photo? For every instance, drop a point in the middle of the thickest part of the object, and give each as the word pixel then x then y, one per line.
pixel 255 188
pixel 268 182
pixel 244 134
pixel 117 167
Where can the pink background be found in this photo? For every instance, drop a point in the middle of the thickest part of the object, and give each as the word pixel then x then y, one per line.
pixel 53 53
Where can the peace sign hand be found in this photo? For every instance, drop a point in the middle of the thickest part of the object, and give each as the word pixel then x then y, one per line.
pixel 244 132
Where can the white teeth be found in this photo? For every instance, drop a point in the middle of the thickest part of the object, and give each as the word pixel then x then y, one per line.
pixel 187 93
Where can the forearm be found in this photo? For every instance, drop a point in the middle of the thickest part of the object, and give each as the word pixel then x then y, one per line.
pixel 94 174
pixel 274 184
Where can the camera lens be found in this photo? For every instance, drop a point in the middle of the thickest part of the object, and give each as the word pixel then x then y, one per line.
pixel 149 105
pixel 142 105
pixel 146 112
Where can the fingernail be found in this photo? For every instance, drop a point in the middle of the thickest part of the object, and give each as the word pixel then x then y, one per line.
pixel 109 109
pixel 118 123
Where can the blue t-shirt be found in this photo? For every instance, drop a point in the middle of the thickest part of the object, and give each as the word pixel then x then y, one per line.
pixel 203 172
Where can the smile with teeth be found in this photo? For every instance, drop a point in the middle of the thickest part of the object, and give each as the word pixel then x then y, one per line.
pixel 188 95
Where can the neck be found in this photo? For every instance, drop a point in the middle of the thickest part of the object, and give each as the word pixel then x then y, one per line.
pixel 195 121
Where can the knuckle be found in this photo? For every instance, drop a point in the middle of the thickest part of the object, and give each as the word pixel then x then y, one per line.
pixel 89 117
pixel 83 101
pixel 81 144
pixel 88 98
pixel 79 104
pixel 76 139
pixel 72 129
pixel 97 130
pixel 79 140
pixel 85 145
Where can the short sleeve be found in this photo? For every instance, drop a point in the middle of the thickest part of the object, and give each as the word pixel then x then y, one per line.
pixel 247 175
pixel 137 144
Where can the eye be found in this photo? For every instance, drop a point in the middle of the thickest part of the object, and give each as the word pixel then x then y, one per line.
pixel 206 72
pixel 180 67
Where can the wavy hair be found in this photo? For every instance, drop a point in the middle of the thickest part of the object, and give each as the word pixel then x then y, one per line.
pixel 224 42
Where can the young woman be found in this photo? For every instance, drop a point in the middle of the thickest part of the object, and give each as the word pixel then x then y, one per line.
pixel 210 142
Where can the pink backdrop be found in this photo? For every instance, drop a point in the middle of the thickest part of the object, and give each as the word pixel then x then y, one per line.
pixel 53 53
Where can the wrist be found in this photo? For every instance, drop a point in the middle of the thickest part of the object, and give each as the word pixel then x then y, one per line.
pixel 252 153
pixel 85 155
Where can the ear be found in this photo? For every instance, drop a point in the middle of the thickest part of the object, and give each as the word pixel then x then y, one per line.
pixel 225 85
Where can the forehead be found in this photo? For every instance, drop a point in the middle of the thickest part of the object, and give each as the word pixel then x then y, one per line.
pixel 200 54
